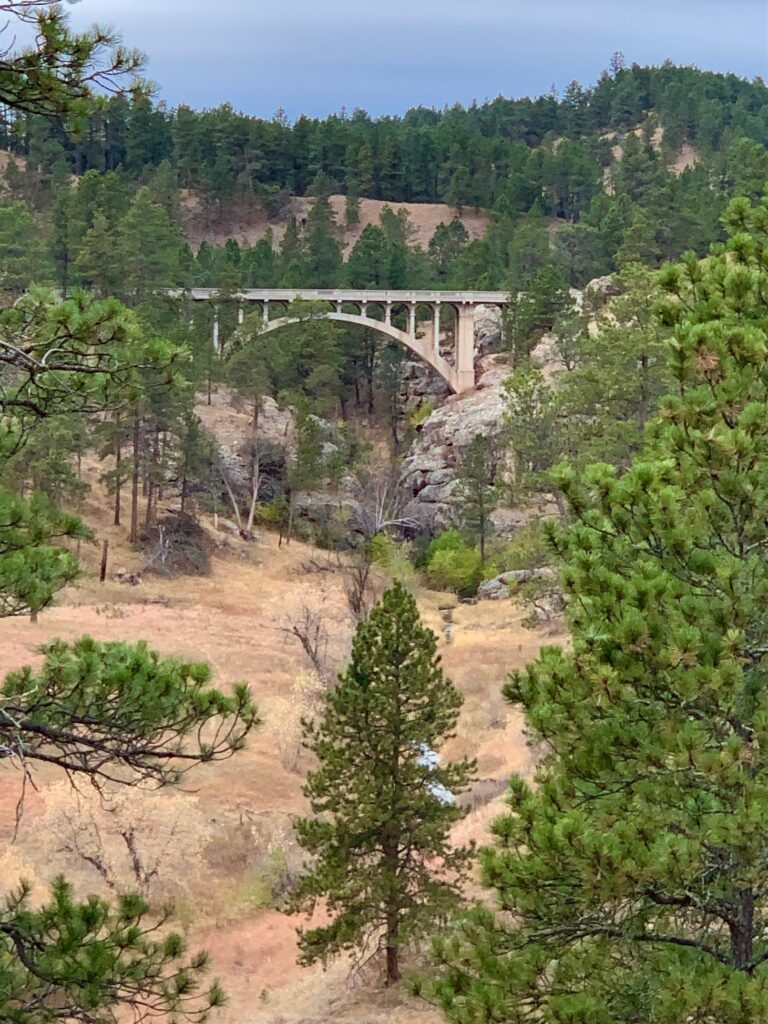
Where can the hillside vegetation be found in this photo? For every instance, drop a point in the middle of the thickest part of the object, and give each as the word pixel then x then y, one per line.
pixel 356 559
pixel 603 164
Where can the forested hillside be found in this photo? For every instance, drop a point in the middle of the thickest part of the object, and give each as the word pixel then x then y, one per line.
pixel 291 503
pixel 584 183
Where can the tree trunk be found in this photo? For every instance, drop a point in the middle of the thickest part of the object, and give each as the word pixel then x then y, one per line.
pixel 118 477
pixel 393 964
pixel 135 484
pixel 289 529
pixel 151 492
pixel 743 930
pixel 235 509
pixel 255 487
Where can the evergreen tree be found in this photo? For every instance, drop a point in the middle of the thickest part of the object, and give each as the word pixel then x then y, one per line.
pixel 292 271
pixel 23 258
pixel 382 804
pixel 632 876
pixel 477 490
pixel 323 252
pixel 99 264
pixel 150 246
pixel 352 204
pixel 304 469
pixel 446 246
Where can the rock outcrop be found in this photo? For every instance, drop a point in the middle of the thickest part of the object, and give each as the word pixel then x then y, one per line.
pixel 428 478
pixel 230 427
pixel 504 585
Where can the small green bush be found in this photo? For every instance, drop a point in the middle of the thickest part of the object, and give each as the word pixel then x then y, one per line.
pixel 449 540
pixel 528 549
pixel 455 568
pixel 418 416
pixel 381 550
pixel 394 557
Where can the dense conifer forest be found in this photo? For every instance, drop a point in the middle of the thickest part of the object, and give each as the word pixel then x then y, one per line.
pixel 595 174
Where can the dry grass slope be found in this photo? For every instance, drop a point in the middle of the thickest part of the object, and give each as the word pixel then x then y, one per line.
pixel 224 851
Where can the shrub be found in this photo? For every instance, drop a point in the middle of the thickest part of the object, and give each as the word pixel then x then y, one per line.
pixel 528 549
pixel 449 540
pixel 457 569
pixel 392 556
pixel 418 416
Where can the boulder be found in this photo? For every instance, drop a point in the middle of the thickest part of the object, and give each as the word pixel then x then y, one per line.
pixel 600 289
pixel 502 586
pixel 505 584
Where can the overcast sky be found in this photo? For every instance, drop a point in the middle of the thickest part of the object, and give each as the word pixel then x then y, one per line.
pixel 387 55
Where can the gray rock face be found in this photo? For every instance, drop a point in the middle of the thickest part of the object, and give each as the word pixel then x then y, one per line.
pixel 428 475
pixel 230 428
pixel 487 330
pixel 600 289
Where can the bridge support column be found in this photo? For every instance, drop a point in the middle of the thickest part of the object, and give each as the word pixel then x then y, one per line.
pixel 465 349
pixel 240 314
pixel 388 314
pixel 265 311
pixel 436 329
pixel 412 320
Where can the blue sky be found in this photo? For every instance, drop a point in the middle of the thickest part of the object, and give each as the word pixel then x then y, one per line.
pixel 385 56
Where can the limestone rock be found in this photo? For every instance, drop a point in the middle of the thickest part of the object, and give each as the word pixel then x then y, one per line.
pixel 600 289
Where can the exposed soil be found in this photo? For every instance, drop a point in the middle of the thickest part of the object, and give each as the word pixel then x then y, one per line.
pixel 248 222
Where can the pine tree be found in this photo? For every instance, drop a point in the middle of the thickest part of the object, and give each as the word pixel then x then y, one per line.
pixel 98 264
pixel 477 495
pixel 149 245
pixel 383 805
pixel 23 257
pixel 323 252
pixel 633 875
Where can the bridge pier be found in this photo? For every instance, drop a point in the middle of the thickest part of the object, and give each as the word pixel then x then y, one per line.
pixel 465 349
pixel 436 329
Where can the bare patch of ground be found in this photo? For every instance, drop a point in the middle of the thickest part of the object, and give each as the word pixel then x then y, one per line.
pixel 249 223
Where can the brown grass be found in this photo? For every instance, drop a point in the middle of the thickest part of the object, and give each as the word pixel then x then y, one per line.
pixel 219 845
pixel 250 223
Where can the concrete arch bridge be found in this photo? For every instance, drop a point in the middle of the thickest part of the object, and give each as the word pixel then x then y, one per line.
pixel 354 306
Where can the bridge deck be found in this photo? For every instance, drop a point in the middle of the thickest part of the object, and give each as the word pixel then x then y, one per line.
pixel 357 295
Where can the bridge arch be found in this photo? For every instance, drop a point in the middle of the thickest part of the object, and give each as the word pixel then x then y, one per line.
pixel 459 375
pixel 419 346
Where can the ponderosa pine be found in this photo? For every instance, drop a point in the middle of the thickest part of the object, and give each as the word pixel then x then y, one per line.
pixel 382 805
pixel 632 877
